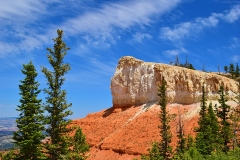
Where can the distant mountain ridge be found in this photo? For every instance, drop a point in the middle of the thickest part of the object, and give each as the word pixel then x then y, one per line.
pixel 8 124
pixel 7 127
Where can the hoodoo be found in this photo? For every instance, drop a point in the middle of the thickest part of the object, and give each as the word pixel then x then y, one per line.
pixel 136 82
pixel 126 130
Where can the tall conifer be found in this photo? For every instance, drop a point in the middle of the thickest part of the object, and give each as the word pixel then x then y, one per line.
pixel 212 120
pixel 223 114
pixel 30 127
pixel 237 71
pixel 232 70
pixel 181 146
pixel 164 146
pixel 202 138
pixel 56 103
pixel 80 146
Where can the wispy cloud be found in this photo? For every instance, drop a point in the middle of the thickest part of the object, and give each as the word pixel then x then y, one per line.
pixel 175 52
pixel 236 58
pixel 139 37
pixel 106 24
pixel 188 29
pixel 12 10
pixel 21 26
pixel 234 43
pixel 102 26
pixel 233 15
pixel 95 72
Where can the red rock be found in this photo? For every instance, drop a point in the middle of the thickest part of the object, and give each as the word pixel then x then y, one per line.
pixel 127 133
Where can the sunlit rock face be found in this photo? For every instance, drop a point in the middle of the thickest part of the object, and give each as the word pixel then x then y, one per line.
pixel 136 82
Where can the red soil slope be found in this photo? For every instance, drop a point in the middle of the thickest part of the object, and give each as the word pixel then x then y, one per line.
pixel 127 133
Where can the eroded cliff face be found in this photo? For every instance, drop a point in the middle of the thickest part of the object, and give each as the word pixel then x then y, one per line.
pixel 127 130
pixel 136 82
pixel 125 134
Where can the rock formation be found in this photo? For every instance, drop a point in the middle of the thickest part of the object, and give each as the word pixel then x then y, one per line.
pixel 136 82
pixel 119 134
pixel 126 130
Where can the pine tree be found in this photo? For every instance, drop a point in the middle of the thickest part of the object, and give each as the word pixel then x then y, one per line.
pixel 203 110
pixel 30 127
pixel 214 125
pixel 181 146
pixel 238 92
pixel 164 146
pixel 191 67
pixel 235 118
pixel 154 153
pixel 226 69
pixel 223 114
pixel 189 142
pixel 80 146
pixel 203 143
pixel 237 71
pixel 232 70
pixel 219 69
pixel 56 103
pixel 186 65
pixel 177 63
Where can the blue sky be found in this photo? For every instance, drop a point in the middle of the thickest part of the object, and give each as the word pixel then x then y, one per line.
pixel 100 32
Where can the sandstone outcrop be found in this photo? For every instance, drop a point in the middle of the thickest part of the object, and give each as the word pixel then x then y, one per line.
pixel 136 82
pixel 127 133
pixel 126 130
pixel 118 134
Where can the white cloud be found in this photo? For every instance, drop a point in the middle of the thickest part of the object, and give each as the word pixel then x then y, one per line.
pixel 109 21
pixel 175 52
pixel 139 37
pixel 27 24
pixel 10 9
pixel 189 29
pixel 235 42
pixel 120 15
pixel 233 15
pixel 236 58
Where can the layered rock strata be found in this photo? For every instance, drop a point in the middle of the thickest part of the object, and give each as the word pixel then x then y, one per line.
pixel 136 82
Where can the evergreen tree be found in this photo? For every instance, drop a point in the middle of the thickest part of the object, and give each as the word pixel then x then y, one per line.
pixel 232 70
pixel 10 155
pixel 177 63
pixel 219 69
pixel 238 92
pixel 203 110
pixel 164 146
pixel 186 63
pixel 29 134
pixel 214 126
pixel 223 114
pixel 226 69
pixel 56 103
pixel 190 66
pixel 237 71
pixel 181 146
pixel 203 68
pixel 235 119
pixel 80 146
pixel 189 142
pixel 207 136
pixel 203 141
pixel 154 153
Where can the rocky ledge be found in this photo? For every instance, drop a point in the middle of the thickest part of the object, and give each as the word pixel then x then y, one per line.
pixel 136 82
